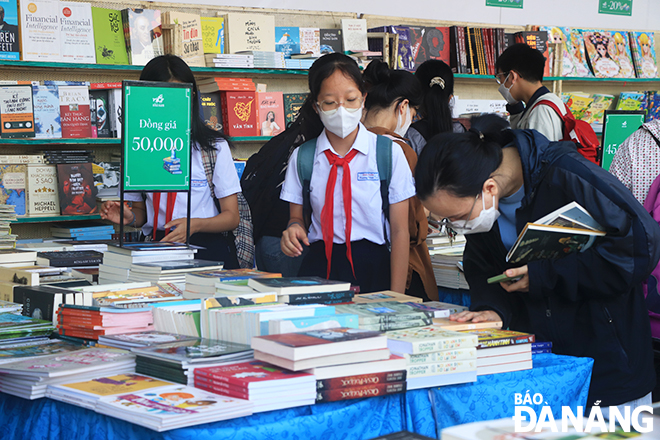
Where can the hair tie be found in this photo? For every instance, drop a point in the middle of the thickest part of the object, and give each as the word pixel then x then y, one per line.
pixel 436 80
pixel 478 133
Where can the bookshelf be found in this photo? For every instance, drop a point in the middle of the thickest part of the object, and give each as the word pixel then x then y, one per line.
pixel 55 218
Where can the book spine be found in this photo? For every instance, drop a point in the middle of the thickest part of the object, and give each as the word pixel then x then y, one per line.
pixel 212 387
pixel 396 317
pixel 361 380
pixel 502 342
pixel 304 298
pixel 439 345
pixel 441 356
pixel 462 42
pixel 454 51
pixel 537 345
pixel 360 392
pixel 542 350
pixel 72 262
pixel 441 368
pixel 79 333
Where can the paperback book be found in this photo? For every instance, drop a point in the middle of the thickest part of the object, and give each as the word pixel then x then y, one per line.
pixel 143 34
pixel 286 286
pixel 191 36
pixel 40 30
pixel 331 41
pixel 9 49
pixel 292 104
pixel 74 111
pixel 213 34
pixel 46 104
pixel 12 187
pixel 270 113
pixel 247 31
pixel 427 339
pixel 16 111
pixel 109 39
pixel 287 40
pixel 76 189
pixel 42 189
pixel 77 33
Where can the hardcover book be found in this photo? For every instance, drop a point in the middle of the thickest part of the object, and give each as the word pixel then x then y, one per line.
pixel 76 189
pixel 331 41
pixel 361 380
pixel 246 31
pixel 12 187
pixel 292 104
pixel 40 31
pixel 287 40
pixel 354 34
pixel 287 286
pixel 16 112
pixel 74 112
pixel 498 338
pixel 46 104
pixel 193 45
pixel 239 113
pixel 77 33
pixel 143 34
pixel 9 49
pixel 213 34
pixel 270 113
pixel 109 36
pixel 42 189
pixel 427 340
pixel 372 390
pixel 211 109
pixel 310 41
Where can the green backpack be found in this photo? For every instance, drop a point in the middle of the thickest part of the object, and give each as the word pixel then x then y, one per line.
pixel 383 158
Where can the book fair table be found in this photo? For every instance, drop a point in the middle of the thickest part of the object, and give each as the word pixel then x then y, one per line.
pixel 561 380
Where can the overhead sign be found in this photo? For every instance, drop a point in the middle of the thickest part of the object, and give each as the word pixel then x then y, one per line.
pixel 518 4
pixel 615 7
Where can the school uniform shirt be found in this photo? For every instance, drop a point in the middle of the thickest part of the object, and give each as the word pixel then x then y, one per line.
pixel 539 117
pixel 365 189
pixel 202 205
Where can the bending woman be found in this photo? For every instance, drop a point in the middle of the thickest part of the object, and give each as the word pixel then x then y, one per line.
pixel 213 209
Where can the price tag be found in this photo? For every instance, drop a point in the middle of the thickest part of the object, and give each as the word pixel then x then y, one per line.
pixel 156 137
pixel 615 7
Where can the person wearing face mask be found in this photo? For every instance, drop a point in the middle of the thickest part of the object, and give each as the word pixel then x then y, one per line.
pixel 590 303
pixel 348 232
pixel 393 97
pixel 520 75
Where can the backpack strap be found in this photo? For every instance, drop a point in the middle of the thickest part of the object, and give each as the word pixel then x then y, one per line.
pixel 208 161
pixel 655 138
pixel 384 161
pixel 567 119
pixel 305 162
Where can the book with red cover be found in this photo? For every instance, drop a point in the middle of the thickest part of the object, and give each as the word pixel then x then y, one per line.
pixel 361 380
pixel 76 186
pixel 360 392
pixel 270 113
pixel 537 40
pixel 74 112
pixel 208 384
pixel 239 113
pixel 499 338
pixel 436 44
pixel 253 375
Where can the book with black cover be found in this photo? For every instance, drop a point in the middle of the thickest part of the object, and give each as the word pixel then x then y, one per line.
pixel 181 266
pixel 288 286
pixel 70 258
pixel 41 302
pixel 331 41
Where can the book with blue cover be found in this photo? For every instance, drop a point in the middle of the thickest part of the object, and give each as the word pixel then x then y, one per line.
pixel 9 49
pixel 287 40
pixel 46 104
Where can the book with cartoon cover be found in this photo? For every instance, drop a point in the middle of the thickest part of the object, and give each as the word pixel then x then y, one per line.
pixel 497 337
pixel 578 55
pixel 643 48
pixel 255 374
pixel 35 348
pixel 601 51
pixel 287 286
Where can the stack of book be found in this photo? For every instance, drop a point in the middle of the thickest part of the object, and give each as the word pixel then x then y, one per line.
pixel 437 308
pixel 448 268
pixel 539 347
pixel 16 257
pixel 435 357
pixel 439 242
pixel 177 361
pixel 151 338
pixel 42 301
pixel 180 317
pixel 266 60
pixel 68 156
pixel 117 261
pixel 18 328
pixel 375 378
pixel 70 258
pixel 11 307
pixel 267 387
pixel 131 295
pixel 229 60
pixel 448 324
pixel 7 216
pixel 172 164
pixel 385 295
pixel 87 322
pixel 30 378
pixel 299 63
pixel 173 407
pixel 82 231
pixel 169 271
pixel 25 350
pixel 305 290
pixel 388 315
pixel 502 351
pixel 218 282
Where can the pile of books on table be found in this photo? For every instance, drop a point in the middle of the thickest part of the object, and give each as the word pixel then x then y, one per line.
pixel 222 282
pixel 388 315
pixel 304 290
pixel 502 351
pixel 435 357
pixel 82 231
pixel 226 60
pixel 88 322
pixel 169 271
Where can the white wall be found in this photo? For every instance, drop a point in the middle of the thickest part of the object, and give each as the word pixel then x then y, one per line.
pixel 572 13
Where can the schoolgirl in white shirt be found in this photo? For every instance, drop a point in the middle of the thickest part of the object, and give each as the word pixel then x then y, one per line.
pixel 168 222
pixel 346 236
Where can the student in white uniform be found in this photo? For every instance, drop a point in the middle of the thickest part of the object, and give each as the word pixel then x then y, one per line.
pixel 206 222
pixel 352 207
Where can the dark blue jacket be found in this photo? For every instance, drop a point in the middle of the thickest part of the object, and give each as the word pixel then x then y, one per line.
pixel 588 304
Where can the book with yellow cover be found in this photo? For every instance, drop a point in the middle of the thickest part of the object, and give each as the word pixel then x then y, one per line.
pixel 499 338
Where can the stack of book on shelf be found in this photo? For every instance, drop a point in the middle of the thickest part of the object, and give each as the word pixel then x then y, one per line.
pixel 211 85
pixel 177 361
pixel 299 63
pixel 68 156
pixel 541 347
pixel 502 351
pixel 30 378
pixel 265 59
pixel 226 60
pixel 87 322
pixel 117 261
pixel 173 407
pixel 70 258
pixel 18 328
pixel 220 282
pixel 265 386
pixel 151 338
pixel 25 350
pixel 388 315
pixel 82 231
pixel 435 357
pixel 7 215
pixel 304 290
pixel 131 295
pixel 169 271
pixel 385 295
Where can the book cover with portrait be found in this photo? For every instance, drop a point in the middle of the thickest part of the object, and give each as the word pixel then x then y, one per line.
pixel 76 189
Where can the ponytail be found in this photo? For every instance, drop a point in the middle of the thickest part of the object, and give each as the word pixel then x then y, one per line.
pixel 386 86
pixel 437 82
pixel 460 163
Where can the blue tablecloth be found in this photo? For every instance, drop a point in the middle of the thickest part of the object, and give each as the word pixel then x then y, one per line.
pixel 562 380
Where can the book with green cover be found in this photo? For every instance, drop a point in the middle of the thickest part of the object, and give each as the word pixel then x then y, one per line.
pixel 109 36
pixel 292 104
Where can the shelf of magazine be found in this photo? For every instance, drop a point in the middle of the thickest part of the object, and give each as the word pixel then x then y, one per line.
pixel 55 218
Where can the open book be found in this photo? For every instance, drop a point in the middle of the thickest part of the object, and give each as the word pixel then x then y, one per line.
pixel 569 229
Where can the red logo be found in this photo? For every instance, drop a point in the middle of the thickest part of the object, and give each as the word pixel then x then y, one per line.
pixel 66 12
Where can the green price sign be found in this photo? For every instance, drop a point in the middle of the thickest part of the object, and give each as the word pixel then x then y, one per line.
pixel 618 125
pixel 156 136
pixel 518 4
pixel 615 7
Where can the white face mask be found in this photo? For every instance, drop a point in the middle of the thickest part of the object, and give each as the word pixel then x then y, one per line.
pixel 403 126
pixel 506 92
pixel 483 223
pixel 341 122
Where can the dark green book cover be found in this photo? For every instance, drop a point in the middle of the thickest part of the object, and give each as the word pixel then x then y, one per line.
pixel 292 104
pixel 109 36
pixel 539 242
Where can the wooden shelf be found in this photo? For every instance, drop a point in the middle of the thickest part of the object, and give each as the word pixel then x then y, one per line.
pixel 60 141
pixel 56 218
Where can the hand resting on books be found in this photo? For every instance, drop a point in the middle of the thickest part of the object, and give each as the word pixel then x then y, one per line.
pixel 480 316
pixel 522 285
